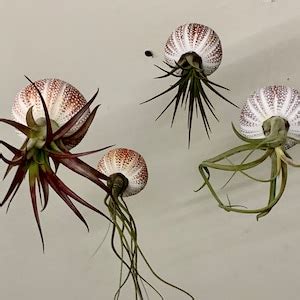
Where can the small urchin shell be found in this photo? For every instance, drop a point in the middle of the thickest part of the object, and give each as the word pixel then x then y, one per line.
pixel 63 101
pixel 193 37
pixel 267 102
pixel 129 163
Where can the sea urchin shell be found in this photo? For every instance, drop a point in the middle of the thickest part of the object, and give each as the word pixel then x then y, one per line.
pixel 193 52
pixel 127 175
pixel 196 38
pixel 129 163
pixel 270 123
pixel 62 99
pixel 267 102
pixel 54 117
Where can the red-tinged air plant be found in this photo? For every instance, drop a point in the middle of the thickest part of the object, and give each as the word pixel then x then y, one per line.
pixel 192 52
pixel 53 117
pixel 127 175
pixel 270 123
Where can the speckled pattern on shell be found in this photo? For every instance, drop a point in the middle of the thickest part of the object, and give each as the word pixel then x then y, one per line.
pixel 62 100
pixel 267 102
pixel 196 38
pixel 129 163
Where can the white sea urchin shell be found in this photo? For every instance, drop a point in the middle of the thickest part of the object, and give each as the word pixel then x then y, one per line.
pixel 62 100
pixel 268 102
pixel 129 163
pixel 196 38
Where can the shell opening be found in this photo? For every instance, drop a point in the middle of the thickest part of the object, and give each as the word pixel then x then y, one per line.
pixel 118 183
pixel 274 125
pixel 191 59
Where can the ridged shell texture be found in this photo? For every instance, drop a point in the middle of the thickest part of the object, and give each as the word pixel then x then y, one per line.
pixel 264 103
pixel 62 100
pixel 129 163
pixel 196 38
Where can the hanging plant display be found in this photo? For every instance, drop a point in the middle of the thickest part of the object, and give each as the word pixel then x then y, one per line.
pixel 127 175
pixel 53 117
pixel 192 52
pixel 269 123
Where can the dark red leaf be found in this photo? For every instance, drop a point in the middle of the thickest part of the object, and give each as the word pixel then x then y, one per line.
pixel 18 152
pixel 60 188
pixel 49 136
pixel 13 195
pixel 68 125
pixel 45 188
pixel 32 188
pixel 83 169
pixel 74 139
pixel 60 155
pixel 24 129
pixel 57 187
pixel 14 162
pixel 11 148
pixel 17 180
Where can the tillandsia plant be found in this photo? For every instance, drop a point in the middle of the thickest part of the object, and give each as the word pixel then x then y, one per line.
pixel 192 52
pixel 270 123
pixel 53 117
pixel 127 175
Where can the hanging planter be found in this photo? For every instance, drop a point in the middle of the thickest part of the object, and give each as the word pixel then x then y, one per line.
pixel 127 175
pixel 53 117
pixel 269 123
pixel 193 52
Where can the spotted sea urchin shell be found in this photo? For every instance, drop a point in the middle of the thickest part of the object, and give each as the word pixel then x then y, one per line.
pixel 129 163
pixel 267 102
pixel 62 100
pixel 196 38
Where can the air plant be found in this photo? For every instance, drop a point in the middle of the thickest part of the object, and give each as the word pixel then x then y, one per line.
pixel 192 52
pixel 127 175
pixel 269 123
pixel 53 117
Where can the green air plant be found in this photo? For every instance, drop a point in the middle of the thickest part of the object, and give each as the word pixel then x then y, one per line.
pixel 53 117
pixel 127 175
pixel 192 52
pixel 269 123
